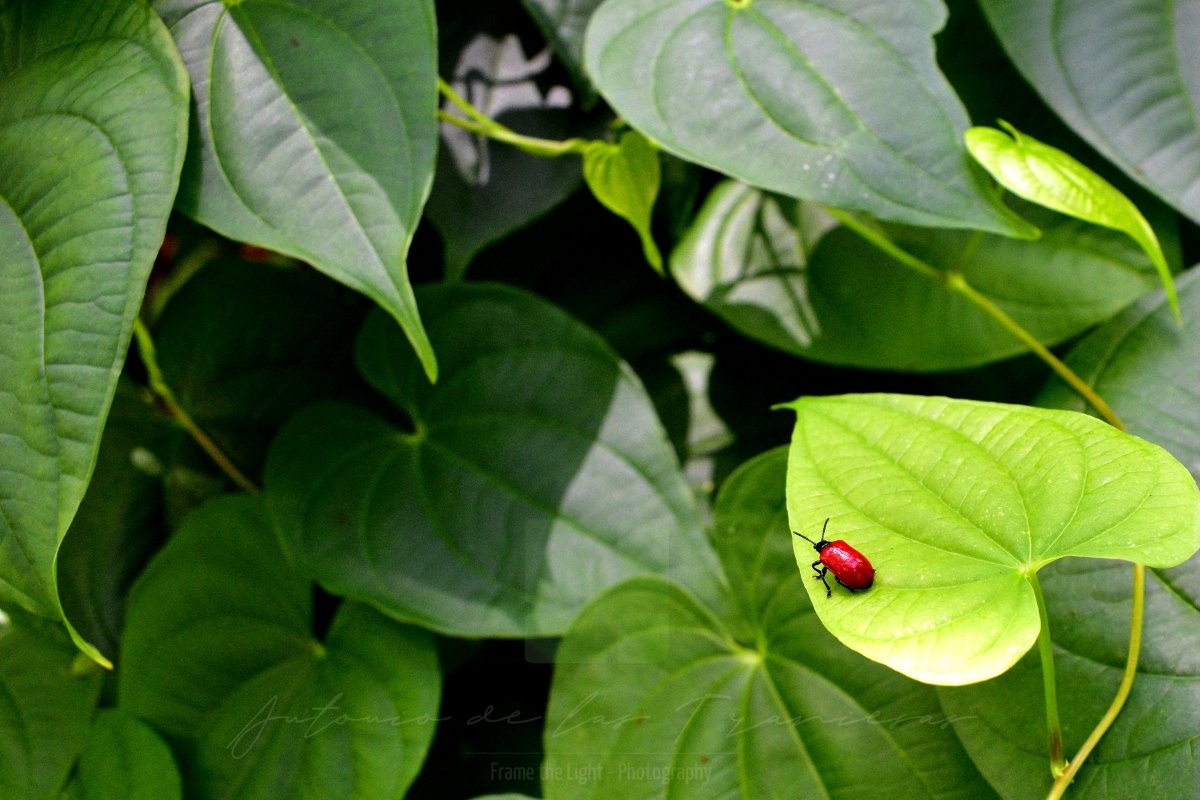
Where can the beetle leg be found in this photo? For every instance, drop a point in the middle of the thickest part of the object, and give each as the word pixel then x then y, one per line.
pixel 844 586
pixel 821 576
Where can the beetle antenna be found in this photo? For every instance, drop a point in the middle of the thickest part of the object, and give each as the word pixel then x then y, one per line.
pixel 805 538
pixel 823 527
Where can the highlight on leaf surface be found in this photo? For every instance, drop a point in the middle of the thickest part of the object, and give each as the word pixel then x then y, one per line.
pixel 956 502
pixel 1048 176
pixel 625 177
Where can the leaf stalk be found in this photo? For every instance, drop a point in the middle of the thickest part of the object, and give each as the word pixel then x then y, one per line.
pixel 1058 764
pixel 158 385
pixel 479 123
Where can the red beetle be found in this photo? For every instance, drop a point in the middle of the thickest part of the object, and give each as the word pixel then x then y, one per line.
pixel 850 568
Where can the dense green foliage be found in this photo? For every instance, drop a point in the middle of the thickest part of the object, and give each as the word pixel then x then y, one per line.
pixel 452 444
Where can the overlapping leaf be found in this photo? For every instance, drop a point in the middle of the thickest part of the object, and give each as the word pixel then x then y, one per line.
pixel 564 23
pixel 93 122
pixel 219 655
pixel 1148 753
pixel 655 695
pixel 536 476
pixel 955 502
pixel 772 268
pixel 124 759
pixel 836 102
pixel 315 134
pixel 1122 76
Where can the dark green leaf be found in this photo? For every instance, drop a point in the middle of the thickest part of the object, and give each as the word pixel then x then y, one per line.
pixel 653 692
pixel 219 655
pixel 564 22
pixel 125 760
pixel 1121 74
pixel 243 346
pixel 537 475
pixel 833 102
pixel 93 120
pixel 48 693
pixel 625 178
pixel 519 189
pixel 955 502
pixel 1046 175
pixel 315 134
pixel 768 266
pixel 1149 751
pixel 1145 367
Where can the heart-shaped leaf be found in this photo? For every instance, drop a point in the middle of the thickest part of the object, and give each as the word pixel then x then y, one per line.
pixel 654 694
pixel 1120 74
pixel 1148 752
pixel 1144 366
pixel 771 267
pixel 219 655
pixel 537 475
pixel 125 760
pixel 48 693
pixel 93 121
pixel 955 503
pixel 1047 176
pixel 625 178
pixel 827 101
pixel 315 134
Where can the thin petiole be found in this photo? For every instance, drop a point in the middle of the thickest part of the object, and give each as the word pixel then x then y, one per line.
pixel 158 385
pixel 479 123
pixel 1058 764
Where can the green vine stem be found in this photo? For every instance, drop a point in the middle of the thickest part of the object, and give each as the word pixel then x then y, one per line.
pixel 1131 663
pixel 158 385
pixel 954 281
pixel 479 123
pixel 1058 764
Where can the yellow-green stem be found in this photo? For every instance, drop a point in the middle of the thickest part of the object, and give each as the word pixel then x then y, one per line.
pixel 1131 663
pixel 479 123
pixel 158 385
pixel 1058 764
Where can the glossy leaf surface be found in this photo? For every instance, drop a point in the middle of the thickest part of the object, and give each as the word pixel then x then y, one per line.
pixel 1123 75
pixel 93 122
pixel 773 269
pixel 954 502
pixel 1047 176
pixel 48 693
pixel 1148 753
pixel 219 655
pixel 315 134
pixel 1147 369
pixel 124 759
pixel 653 690
pixel 625 178
pixel 837 102
pixel 537 475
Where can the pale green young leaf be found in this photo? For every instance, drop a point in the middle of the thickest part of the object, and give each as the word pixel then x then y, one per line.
pixel 124 759
pixel 315 134
pixel 536 476
pixel 93 125
pixel 625 177
pixel 955 502
pixel 840 103
pixel 1046 175
pixel 654 688
pixel 219 655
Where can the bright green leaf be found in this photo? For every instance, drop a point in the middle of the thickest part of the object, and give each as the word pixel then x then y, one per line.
pixel 563 23
pixel 625 177
pixel 1144 366
pixel 519 189
pixel 827 101
pixel 48 693
pixel 125 760
pixel 537 475
pixel 1148 753
pixel 220 656
pixel 773 270
pixel 1121 74
pixel 654 693
pixel 315 134
pixel 955 502
pixel 93 121
pixel 1048 176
